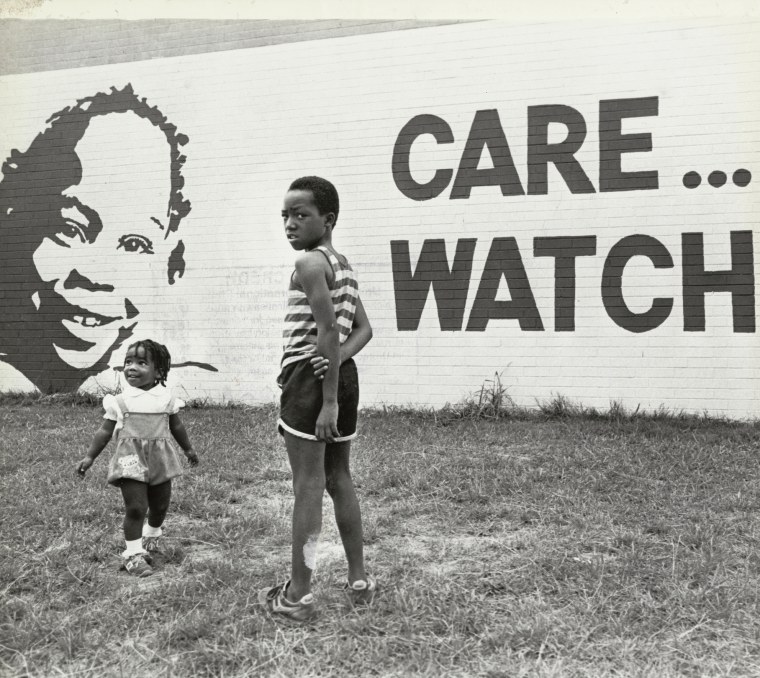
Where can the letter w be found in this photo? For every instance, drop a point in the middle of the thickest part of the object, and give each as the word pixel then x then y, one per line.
pixel 450 284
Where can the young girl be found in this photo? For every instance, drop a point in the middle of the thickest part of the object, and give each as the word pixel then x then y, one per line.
pixel 145 415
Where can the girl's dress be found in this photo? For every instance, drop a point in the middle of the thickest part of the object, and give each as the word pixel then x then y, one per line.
pixel 145 448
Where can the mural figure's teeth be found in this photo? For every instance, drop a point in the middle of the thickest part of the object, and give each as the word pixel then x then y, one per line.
pixel 87 321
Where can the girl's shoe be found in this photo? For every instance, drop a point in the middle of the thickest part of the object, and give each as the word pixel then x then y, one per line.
pixel 152 544
pixel 274 600
pixel 137 566
pixel 362 592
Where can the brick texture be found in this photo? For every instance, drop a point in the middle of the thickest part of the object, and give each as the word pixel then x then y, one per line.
pixel 571 206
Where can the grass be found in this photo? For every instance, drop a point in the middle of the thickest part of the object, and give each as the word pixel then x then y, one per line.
pixel 557 542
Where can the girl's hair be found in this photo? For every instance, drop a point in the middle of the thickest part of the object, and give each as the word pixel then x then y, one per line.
pixel 158 353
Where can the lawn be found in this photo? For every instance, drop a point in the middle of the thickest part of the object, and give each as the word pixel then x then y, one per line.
pixel 553 543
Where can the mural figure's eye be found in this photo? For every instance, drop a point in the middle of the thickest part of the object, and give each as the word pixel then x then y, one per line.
pixel 135 243
pixel 69 232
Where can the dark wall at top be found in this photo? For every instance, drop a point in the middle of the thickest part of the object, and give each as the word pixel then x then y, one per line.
pixel 30 46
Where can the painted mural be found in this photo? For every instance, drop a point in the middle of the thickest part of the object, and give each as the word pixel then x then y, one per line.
pixel 543 202
pixel 75 257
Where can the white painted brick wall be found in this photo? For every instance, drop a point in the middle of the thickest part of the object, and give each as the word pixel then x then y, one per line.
pixel 257 118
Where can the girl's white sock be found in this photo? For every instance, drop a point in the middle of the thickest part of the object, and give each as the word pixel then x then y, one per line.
pixel 133 548
pixel 149 531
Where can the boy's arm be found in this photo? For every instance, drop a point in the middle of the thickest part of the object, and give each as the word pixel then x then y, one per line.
pixel 311 269
pixel 361 333
pixel 98 444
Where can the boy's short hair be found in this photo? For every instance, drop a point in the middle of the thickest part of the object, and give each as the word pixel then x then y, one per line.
pixel 325 194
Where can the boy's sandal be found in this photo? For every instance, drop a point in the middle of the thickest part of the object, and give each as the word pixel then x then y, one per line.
pixel 362 592
pixel 274 601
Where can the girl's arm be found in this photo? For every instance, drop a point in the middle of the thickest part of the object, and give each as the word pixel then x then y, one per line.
pixel 180 435
pixel 99 442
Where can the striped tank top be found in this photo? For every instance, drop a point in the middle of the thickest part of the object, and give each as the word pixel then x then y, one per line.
pixel 300 332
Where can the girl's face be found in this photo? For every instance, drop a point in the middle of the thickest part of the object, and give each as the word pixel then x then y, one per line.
pixel 107 255
pixel 139 368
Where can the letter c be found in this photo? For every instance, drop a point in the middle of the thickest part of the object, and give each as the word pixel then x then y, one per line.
pixel 612 283
pixel 417 126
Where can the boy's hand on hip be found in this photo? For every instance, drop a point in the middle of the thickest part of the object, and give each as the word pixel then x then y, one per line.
pixel 319 364
pixel 327 423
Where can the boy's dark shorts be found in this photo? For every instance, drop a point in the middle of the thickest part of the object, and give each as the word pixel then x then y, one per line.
pixel 301 400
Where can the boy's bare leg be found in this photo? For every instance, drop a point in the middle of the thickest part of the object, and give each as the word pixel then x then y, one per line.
pixel 308 466
pixel 348 515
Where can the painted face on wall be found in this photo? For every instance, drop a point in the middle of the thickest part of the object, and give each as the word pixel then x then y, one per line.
pixel 104 259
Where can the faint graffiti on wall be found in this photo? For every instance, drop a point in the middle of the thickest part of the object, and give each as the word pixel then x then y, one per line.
pixel 89 214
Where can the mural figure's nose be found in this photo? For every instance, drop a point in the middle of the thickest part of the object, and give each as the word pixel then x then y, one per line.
pixel 76 279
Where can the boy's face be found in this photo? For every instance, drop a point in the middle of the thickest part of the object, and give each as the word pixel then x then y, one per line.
pixel 305 227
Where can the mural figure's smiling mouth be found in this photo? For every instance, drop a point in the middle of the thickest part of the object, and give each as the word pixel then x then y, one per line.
pixel 89 336
pixel 83 316
pixel 92 320
pixel 76 315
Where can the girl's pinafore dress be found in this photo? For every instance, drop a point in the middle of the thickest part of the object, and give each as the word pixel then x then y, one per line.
pixel 145 450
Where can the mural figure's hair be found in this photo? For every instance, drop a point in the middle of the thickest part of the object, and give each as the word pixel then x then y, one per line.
pixel 67 127
pixel 158 353
pixel 35 179
pixel 325 194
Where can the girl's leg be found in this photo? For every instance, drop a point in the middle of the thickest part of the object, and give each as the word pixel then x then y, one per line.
pixel 307 463
pixel 135 496
pixel 348 515
pixel 159 497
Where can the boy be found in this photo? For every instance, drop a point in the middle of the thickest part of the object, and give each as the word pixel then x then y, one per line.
pixel 325 326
